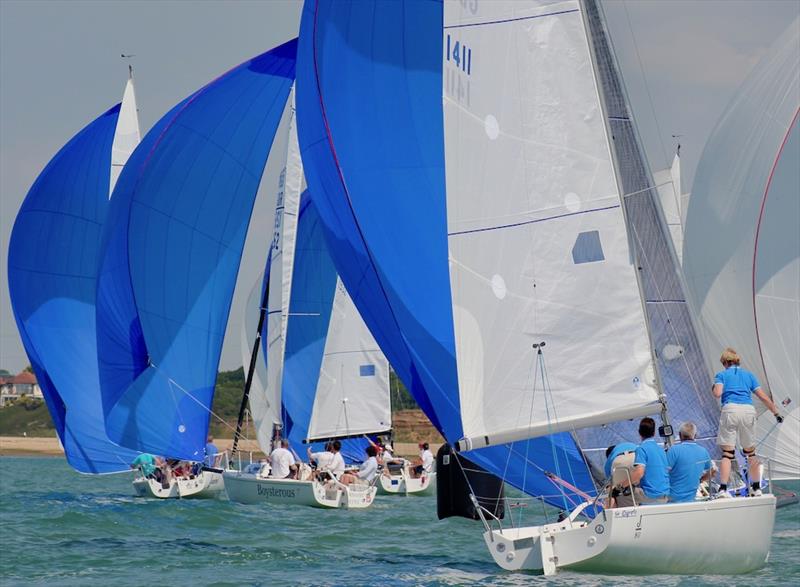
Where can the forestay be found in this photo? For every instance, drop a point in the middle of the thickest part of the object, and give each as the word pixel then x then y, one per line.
pixel 171 253
pixel 376 168
pixel 52 265
pixel 742 241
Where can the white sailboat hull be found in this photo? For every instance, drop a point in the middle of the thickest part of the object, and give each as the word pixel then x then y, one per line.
pixel 248 488
pixel 724 536
pixel 407 485
pixel 207 484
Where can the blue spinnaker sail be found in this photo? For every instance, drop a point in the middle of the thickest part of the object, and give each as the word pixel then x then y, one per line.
pixel 311 302
pixel 375 167
pixel 52 267
pixel 171 254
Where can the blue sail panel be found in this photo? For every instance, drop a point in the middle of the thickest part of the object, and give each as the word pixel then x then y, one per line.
pixel 375 167
pixel 173 253
pixel 52 271
pixel 310 306
pixel 412 324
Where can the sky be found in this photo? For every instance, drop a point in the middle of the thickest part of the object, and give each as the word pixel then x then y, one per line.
pixel 60 66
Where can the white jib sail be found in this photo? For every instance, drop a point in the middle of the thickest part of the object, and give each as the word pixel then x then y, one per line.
pixel 742 243
pixel 668 182
pixel 353 389
pixel 265 391
pixel 127 134
pixel 538 245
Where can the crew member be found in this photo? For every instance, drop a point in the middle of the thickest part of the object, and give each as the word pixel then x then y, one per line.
pixel 689 464
pixel 737 420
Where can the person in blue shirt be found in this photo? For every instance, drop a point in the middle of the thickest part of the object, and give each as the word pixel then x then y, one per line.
pixel 149 465
pixel 737 420
pixel 211 452
pixel 650 467
pixel 619 462
pixel 689 463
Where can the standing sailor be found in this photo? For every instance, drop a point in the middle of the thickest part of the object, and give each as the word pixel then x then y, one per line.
pixel 738 418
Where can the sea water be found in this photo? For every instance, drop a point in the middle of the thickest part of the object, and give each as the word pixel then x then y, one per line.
pixel 61 528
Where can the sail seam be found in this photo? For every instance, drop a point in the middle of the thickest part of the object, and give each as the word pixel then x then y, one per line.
pixel 527 222
pixel 505 20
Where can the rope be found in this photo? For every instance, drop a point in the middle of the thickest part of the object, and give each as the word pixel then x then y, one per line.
pixel 197 401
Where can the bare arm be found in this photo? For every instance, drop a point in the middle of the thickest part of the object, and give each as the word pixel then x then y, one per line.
pixel 637 473
pixel 717 390
pixel 766 400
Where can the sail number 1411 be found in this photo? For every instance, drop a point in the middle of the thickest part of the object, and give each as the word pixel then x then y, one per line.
pixel 458 53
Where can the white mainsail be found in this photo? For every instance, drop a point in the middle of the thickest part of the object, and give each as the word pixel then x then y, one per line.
pixel 265 392
pixel 742 243
pixel 127 134
pixel 353 390
pixel 550 260
pixel 352 396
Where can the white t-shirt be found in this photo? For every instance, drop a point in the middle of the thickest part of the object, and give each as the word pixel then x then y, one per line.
pixel 387 454
pixel 368 469
pixel 281 459
pixel 337 466
pixel 427 461
pixel 323 459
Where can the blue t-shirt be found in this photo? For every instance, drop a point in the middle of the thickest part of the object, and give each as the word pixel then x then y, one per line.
pixel 687 463
pixel 211 452
pixel 146 462
pixel 622 447
pixel 737 385
pixel 655 482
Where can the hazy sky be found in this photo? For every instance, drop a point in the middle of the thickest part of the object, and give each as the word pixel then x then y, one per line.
pixel 60 67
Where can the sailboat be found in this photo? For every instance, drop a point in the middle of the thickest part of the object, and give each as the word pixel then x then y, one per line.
pixel 51 278
pixel 169 257
pixel 323 376
pixel 742 247
pixel 540 296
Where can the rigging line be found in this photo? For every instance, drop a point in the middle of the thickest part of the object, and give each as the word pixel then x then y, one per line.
pixel 646 85
pixel 549 389
pixel 540 357
pixel 198 402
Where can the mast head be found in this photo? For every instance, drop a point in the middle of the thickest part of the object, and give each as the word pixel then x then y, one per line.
pixel 130 66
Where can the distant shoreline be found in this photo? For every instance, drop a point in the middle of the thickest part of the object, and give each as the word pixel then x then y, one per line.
pixel 28 446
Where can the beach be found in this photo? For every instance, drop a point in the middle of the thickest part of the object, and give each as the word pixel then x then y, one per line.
pixel 50 446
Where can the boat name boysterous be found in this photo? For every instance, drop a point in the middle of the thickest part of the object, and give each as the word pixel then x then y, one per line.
pixel 275 491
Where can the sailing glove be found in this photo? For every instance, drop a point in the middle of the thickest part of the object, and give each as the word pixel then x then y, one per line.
pixel 779 418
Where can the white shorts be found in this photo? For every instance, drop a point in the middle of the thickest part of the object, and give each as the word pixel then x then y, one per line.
pixel 737 421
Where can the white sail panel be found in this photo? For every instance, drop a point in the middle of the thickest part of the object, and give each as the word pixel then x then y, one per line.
pixel 353 390
pixel 265 391
pixel 669 194
pixel 127 135
pixel 538 245
pixel 742 243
